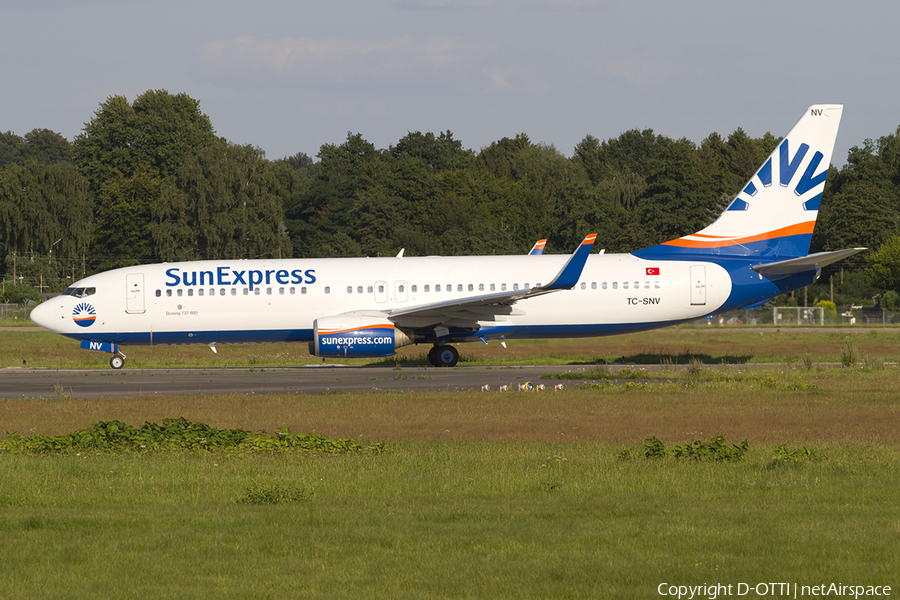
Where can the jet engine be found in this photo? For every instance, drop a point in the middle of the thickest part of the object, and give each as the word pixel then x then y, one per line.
pixel 356 336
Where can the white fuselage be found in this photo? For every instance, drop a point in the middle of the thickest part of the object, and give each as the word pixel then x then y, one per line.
pixel 279 300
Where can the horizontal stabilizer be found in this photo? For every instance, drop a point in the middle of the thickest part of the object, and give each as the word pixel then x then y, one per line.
pixel 813 262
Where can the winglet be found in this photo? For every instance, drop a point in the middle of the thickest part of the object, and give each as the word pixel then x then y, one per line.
pixel 538 247
pixel 569 275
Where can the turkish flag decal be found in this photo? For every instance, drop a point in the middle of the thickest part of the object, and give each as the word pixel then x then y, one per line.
pixel 652 270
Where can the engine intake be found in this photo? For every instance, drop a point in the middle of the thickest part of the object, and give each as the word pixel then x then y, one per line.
pixel 356 336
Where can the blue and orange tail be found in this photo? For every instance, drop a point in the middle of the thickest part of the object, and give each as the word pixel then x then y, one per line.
pixel 774 215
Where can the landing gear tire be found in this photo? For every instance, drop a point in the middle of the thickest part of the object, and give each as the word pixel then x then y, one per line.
pixel 443 356
pixel 117 362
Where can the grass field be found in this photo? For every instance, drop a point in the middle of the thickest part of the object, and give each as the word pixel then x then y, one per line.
pixel 710 345
pixel 482 495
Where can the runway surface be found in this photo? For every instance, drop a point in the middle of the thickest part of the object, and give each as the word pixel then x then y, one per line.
pixel 99 383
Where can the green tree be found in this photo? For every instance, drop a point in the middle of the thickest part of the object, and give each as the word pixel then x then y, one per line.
pixel 224 203
pixel 45 146
pixel 326 208
pixel 44 209
pixel 884 265
pixel 674 202
pixel 155 135
pixel 126 151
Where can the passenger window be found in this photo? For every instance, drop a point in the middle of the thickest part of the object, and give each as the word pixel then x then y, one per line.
pixel 349 289
pixel 158 293
pixel 191 291
pixel 593 285
pixel 458 287
pixel 615 285
pixel 168 293
pixel 327 289
pixel 471 288
pixel 370 289
pixel 303 290
pixel 256 291
pixel 493 287
pixel 89 291
pixel 583 285
pixel 427 287
pixel 380 289
pixel 359 289
pixel 515 287
pixel 502 287
pixel 281 291
pixel 401 289
pixel 179 292
pixel 637 285
pixel 221 291
pixel 480 287
pixel 200 292
pixel 246 291
pixel 624 285
pixel 412 288
pixel 437 287
pixel 603 286
pixel 293 291
pixel 646 285
pixel 234 291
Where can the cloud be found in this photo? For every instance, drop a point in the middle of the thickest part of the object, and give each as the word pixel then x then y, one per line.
pixel 643 74
pixel 337 61
pixel 453 4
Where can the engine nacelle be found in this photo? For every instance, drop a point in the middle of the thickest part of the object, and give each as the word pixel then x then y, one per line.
pixel 356 336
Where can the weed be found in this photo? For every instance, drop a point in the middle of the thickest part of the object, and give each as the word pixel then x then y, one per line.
pixel 873 364
pixel 174 434
pixel 694 373
pixel 653 448
pixel 715 450
pixel 849 354
pixel 807 361
pixel 787 456
pixel 271 493
pixel 61 393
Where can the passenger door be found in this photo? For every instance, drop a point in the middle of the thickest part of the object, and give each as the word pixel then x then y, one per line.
pixel 134 293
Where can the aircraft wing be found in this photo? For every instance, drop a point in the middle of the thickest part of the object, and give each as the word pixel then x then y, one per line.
pixel 487 307
pixel 813 262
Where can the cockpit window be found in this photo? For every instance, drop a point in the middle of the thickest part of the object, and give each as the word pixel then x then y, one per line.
pixel 80 292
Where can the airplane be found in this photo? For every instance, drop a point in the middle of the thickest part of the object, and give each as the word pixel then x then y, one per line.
pixel 369 307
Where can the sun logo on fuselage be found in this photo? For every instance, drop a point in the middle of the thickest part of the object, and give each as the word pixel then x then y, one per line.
pixel 84 315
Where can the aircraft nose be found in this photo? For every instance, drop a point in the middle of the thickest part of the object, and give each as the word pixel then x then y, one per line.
pixel 43 315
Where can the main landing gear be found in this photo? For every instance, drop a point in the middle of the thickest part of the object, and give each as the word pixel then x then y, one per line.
pixel 443 356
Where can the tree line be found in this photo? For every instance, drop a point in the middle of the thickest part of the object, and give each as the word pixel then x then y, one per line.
pixel 150 181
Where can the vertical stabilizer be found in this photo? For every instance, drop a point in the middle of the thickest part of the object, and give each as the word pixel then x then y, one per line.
pixel 774 214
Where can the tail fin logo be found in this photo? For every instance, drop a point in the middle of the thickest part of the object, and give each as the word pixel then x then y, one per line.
pixel 788 166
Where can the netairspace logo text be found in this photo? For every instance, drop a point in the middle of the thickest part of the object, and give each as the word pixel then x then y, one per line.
pixel 771 590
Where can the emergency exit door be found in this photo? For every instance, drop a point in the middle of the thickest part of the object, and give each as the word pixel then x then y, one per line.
pixel 698 285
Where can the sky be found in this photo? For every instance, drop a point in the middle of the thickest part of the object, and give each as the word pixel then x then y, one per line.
pixel 290 75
